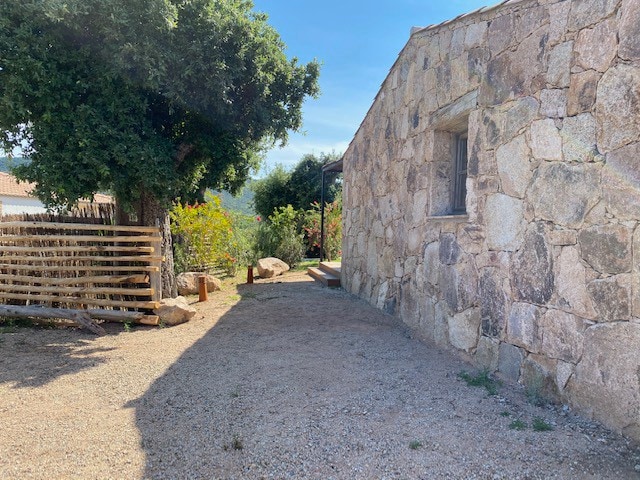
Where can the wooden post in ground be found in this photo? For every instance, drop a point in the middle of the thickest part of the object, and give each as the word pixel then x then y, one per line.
pixel 250 274
pixel 202 288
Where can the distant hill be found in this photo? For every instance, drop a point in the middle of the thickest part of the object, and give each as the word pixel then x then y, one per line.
pixel 6 163
pixel 242 203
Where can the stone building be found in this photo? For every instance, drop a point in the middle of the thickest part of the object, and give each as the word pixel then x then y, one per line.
pixel 492 197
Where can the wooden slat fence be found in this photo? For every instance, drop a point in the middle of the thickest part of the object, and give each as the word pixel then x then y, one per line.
pixel 80 266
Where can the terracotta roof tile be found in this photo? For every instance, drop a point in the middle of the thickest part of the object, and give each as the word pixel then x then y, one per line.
pixel 9 186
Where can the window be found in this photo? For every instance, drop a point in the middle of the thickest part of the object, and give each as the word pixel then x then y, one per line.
pixel 448 173
pixel 459 174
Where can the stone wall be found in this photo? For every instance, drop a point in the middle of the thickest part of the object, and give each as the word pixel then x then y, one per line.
pixel 540 279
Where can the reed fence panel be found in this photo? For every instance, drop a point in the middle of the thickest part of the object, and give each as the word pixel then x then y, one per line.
pixel 81 266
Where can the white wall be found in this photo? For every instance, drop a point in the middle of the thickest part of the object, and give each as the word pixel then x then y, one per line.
pixel 16 205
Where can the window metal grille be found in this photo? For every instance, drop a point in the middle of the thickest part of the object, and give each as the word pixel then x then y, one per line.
pixel 460 175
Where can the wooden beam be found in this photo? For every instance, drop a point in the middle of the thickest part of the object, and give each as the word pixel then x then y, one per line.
pixel 134 292
pixel 75 248
pixel 79 268
pixel 82 300
pixel 81 238
pixel 77 316
pixel 79 226
pixel 87 258
pixel 75 280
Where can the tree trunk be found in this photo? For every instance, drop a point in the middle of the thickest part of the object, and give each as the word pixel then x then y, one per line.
pixel 152 213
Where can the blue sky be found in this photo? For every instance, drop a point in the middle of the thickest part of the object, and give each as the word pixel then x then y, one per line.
pixel 357 42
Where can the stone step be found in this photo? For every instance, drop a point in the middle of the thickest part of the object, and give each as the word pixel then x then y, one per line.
pixel 332 268
pixel 323 277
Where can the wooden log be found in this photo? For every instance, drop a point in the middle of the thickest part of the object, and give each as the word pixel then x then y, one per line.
pixel 124 316
pixel 78 268
pixel 75 280
pixel 78 226
pixel 89 258
pixel 82 300
pixel 78 316
pixel 61 290
pixel 80 238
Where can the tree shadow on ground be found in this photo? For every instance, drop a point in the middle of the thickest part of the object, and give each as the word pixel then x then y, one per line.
pixel 296 381
pixel 33 357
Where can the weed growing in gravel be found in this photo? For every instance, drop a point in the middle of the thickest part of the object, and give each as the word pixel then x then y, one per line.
pixel 533 391
pixel 539 425
pixel 481 379
pixel 505 414
pixel 236 443
pixel 11 325
pixel 415 445
pixel 7 326
pixel 128 327
pixel 517 425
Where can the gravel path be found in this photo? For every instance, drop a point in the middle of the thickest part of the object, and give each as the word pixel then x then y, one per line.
pixel 280 379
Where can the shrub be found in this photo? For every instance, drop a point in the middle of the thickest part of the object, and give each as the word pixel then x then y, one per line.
pixel 203 235
pixel 279 236
pixel 332 228
pixel 243 240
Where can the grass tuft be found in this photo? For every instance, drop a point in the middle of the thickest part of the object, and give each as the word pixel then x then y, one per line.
pixel 481 379
pixel 539 425
pixel 517 425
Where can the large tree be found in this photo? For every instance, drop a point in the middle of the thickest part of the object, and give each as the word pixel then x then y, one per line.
pixel 149 99
pixel 299 187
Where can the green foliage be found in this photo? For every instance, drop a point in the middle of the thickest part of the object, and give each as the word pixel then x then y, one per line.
pixel 518 425
pixel 243 239
pixel 533 390
pixel 332 228
pixel 203 235
pixel 152 97
pixel 481 379
pixel 272 191
pixel 306 180
pixel 539 425
pixel 300 187
pixel 279 236
pixel 415 444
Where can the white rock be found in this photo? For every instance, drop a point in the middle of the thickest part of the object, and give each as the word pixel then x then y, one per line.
pixel 271 267
pixel 173 311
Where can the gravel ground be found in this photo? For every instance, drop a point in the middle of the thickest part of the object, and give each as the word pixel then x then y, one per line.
pixel 280 379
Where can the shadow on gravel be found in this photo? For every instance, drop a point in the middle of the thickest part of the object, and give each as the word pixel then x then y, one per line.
pixel 297 381
pixel 41 363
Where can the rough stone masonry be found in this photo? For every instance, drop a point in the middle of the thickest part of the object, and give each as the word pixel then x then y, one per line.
pixel 538 278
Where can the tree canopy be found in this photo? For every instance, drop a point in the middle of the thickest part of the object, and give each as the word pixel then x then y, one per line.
pixel 159 98
pixel 299 187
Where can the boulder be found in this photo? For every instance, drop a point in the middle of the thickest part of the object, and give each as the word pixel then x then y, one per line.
pixel 173 311
pixel 271 267
pixel 188 283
